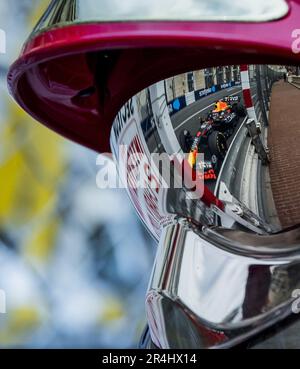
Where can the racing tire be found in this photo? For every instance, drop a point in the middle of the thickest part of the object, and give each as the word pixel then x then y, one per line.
pixel 217 144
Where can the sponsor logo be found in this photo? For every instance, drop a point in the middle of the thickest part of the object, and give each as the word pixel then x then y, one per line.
pixel 225 85
pixel 206 91
pixel 176 104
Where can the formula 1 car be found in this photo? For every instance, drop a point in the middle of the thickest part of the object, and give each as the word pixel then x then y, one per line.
pixel 212 143
pixel 211 139
pixel 226 114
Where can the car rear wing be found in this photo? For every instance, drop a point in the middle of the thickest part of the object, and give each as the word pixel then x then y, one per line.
pixel 231 99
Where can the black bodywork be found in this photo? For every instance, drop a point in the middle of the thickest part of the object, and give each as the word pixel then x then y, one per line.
pixel 212 137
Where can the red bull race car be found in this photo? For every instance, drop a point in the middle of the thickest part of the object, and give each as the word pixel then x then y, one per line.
pixel 226 114
pixel 212 144
pixel 211 139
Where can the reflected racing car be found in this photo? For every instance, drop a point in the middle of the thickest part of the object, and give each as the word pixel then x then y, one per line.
pixel 213 145
pixel 226 114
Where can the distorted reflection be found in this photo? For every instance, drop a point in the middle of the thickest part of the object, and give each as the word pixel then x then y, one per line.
pixel 243 119
pixel 201 296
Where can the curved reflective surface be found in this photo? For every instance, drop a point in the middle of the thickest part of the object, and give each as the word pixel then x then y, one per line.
pixel 218 149
pixel 237 129
pixel 61 12
pixel 200 296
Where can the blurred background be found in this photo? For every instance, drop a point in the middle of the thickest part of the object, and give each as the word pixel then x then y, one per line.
pixel 74 259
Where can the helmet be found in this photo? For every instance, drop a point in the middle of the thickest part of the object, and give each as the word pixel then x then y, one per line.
pixel 107 77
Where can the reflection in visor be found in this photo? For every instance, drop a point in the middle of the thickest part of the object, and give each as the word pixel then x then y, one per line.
pixel 213 112
pixel 227 265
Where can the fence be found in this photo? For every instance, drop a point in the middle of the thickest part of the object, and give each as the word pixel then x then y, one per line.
pixel 242 172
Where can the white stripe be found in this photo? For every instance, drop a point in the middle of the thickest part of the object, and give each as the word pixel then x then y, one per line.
pixel 251 113
pixel 245 80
